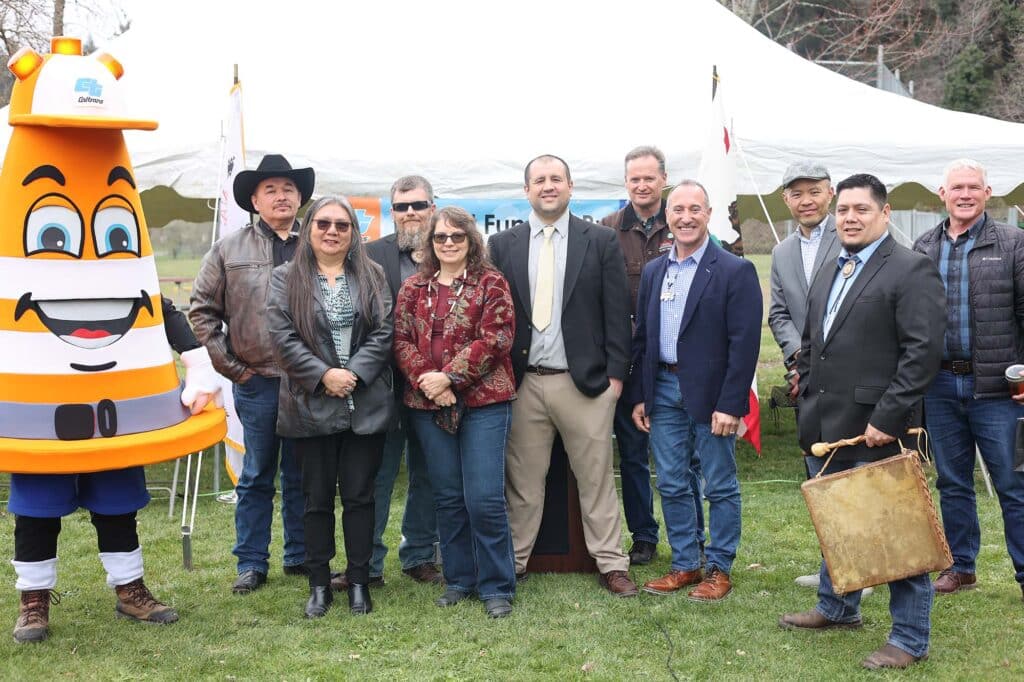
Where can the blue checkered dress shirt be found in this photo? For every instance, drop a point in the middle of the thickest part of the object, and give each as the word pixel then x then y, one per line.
pixel 953 270
pixel 675 288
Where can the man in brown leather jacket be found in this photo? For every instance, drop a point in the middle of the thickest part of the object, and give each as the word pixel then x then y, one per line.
pixel 228 313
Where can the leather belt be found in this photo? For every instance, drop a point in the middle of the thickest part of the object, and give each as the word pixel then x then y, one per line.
pixel 668 366
pixel 958 366
pixel 544 371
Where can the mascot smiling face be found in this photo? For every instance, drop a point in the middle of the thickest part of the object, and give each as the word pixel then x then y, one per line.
pixel 86 374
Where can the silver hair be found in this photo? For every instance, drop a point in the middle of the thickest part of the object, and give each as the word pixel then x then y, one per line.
pixel 964 164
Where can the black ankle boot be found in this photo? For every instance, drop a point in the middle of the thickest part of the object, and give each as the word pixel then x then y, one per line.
pixel 320 598
pixel 359 601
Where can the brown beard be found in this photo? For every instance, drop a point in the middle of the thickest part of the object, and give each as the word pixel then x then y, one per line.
pixel 408 241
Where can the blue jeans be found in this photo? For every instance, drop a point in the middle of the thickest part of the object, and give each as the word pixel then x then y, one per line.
pixel 680 444
pixel 419 521
pixel 256 402
pixel 910 599
pixel 467 472
pixel 957 422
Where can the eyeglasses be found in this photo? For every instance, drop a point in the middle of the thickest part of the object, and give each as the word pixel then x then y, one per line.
pixel 323 225
pixel 403 206
pixel 456 237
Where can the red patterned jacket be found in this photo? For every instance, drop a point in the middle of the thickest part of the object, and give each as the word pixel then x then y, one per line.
pixel 478 337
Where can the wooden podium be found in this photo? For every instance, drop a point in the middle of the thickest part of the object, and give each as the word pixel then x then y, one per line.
pixel 560 547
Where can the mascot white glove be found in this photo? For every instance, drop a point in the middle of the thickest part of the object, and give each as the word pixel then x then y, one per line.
pixel 202 383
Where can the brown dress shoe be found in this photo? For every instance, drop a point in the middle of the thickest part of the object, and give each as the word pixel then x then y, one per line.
pixel 715 586
pixel 424 573
pixel 134 600
pixel 33 624
pixel 890 656
pixel 618 583
pixel 949 581
pixel 813 620
pixel 675 580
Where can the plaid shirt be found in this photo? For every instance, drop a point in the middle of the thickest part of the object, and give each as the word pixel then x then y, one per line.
pixel 954 272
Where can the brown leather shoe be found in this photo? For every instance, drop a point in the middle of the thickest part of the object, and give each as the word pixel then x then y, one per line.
pixel 618 583
pixel 949 582
pixel 890 656
pixel 135 601
pixel 813 620
pixel 715 587
pixel 675 580
pixel 424 573
pixel 33 624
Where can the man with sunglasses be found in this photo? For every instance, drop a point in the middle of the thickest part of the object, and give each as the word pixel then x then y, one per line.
pixel 227 311
pixel 412 205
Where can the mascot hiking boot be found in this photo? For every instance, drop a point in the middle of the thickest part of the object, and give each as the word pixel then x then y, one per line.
pixel 134 600
pixel 34 616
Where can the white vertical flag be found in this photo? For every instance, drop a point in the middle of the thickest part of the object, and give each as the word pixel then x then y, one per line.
pixel 718 175
pixel 717 170
pixel 230 218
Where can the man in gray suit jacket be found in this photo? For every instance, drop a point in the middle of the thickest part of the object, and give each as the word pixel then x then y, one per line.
pixel 807 191
pixel 796 260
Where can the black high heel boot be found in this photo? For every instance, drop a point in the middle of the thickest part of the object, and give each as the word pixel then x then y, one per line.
pixel 359 601
pixel 320 599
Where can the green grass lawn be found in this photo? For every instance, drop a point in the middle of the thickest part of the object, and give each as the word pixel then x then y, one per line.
pixel 563 627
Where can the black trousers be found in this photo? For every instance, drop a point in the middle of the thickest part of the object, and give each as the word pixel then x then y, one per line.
pixel 35 538
pixel 344 463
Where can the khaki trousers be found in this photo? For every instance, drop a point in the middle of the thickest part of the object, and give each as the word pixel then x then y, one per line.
pixel 546 405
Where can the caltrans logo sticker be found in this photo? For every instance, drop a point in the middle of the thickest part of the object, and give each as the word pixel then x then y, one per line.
pixel 90 91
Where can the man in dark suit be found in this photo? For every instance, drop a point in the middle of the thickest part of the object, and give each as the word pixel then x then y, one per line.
pixel 870 348
pixel 695 350
pixel 412 205
pixel 568 280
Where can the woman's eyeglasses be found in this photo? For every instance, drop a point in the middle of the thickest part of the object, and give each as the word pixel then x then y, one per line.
pixel 323 225
pixel 456 237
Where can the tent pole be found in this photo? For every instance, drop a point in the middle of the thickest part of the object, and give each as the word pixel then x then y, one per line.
pixel 760 199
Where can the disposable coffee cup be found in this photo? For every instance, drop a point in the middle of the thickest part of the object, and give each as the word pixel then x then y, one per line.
pixel 1015 379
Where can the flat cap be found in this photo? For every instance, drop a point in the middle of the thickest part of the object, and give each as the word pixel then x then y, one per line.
pixel 804 170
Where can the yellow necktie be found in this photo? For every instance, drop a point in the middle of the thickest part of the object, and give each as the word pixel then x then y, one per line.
pixel 544 292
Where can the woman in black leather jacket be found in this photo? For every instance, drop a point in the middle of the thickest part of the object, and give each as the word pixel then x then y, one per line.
pixel 330 322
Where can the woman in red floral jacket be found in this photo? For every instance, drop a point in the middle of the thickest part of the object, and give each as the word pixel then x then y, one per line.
pixel 454 324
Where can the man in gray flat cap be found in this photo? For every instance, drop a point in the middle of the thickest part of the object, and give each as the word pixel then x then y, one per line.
pixel 796 260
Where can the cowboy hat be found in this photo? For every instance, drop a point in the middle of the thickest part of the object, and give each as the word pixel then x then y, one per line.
pixel 272 166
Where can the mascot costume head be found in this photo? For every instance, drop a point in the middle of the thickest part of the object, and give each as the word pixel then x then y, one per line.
pixel 87 379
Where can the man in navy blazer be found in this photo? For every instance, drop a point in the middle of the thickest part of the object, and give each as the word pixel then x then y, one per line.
pixel 695 350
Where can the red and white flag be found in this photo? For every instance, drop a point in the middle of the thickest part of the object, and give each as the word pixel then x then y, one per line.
pixel 717 173
pixel 230 218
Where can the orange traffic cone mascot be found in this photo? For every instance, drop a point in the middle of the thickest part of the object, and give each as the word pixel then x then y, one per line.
pixel 88 387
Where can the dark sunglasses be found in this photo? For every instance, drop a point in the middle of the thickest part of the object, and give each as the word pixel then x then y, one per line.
pixel 456 237
pixel 323 225
pixel 403 206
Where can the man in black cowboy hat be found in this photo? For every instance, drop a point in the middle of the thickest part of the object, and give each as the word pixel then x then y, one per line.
pixel 228 300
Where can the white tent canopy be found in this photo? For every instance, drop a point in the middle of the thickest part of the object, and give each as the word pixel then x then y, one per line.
pixel 466 92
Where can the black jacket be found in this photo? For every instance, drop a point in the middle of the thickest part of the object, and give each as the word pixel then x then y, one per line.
pixel 595 303
pixel 304 409
pixel 995 268
pixel 882 352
